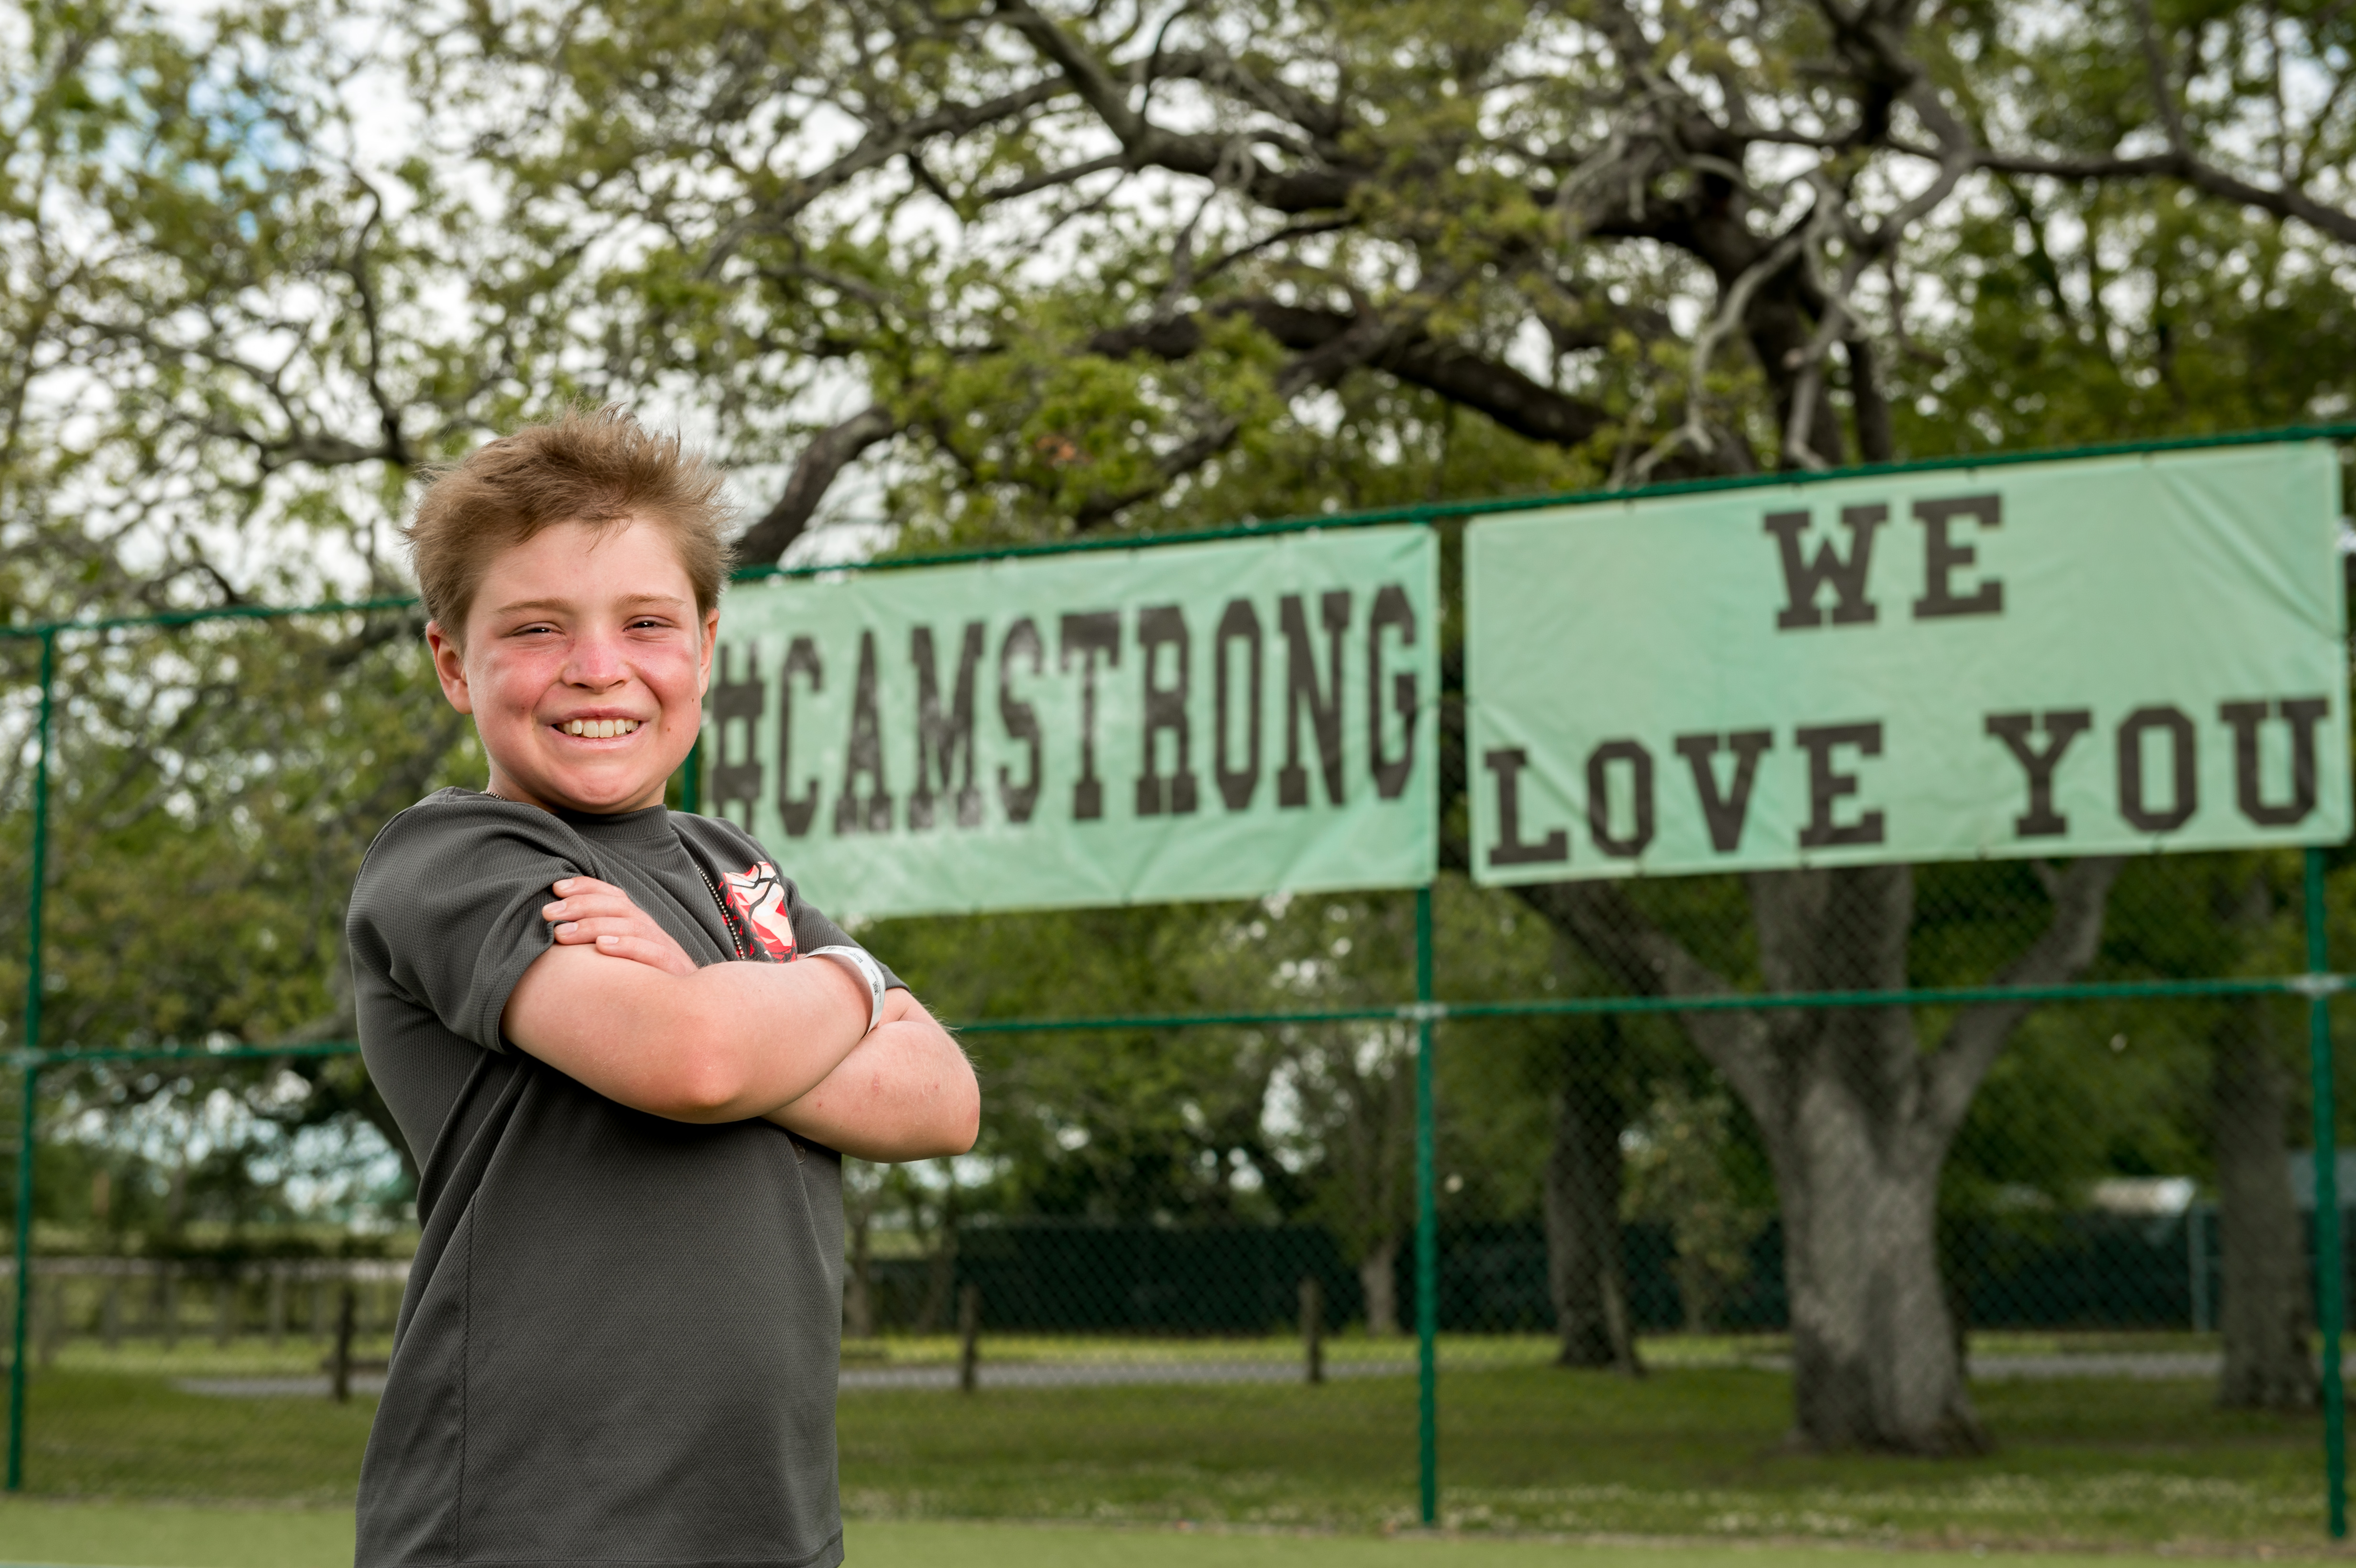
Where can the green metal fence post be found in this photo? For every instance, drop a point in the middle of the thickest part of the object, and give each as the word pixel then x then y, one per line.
pixel 2330 1278
pixel 18 1372
pixel 28 1055
pixel 1426 1229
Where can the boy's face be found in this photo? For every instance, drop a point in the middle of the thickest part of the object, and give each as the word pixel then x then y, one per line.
pixel 584 666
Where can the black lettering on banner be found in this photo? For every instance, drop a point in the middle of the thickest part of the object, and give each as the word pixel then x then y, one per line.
pixel 2303 714
pixel 797 810
pixel 1239 623
pixel 864 755
pixel 2062 726
pixel 1164 626
pixel 1301 689
pixel 1391 609
pixel 1092 635
pixel 2134 803
pixel 1941 556
pixel 1022 719
pixel 944 743
pixel 1805 577
pixel 1510 849
pixel 1724 815
pixel 1599 798
pixel 1827 786
pixel 736 701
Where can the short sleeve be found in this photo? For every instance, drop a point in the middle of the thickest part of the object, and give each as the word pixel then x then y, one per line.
pixel 813 931
pixel 447 906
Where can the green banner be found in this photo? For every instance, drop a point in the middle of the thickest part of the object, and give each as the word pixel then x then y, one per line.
pixel 1224 719
pixel 2098 655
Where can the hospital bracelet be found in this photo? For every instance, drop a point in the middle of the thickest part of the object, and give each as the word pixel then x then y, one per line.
pixel 867 970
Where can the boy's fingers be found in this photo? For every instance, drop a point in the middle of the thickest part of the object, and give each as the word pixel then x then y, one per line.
pixel 577 891
pixel 586 906
pixel 572 932
pixel 634 938
pixel 662 956
pixel 566 887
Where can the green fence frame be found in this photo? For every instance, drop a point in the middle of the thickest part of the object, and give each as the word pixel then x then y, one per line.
pixel 2318 984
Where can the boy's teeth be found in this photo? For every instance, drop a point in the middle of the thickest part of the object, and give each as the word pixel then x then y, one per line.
pixel 599 728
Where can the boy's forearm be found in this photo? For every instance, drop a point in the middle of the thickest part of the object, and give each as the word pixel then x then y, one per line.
pixel 905 1092
pixel 727 1043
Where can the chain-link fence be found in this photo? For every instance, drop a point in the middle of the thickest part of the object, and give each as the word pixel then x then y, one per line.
pixel 2012 1264
pixel 1190 1272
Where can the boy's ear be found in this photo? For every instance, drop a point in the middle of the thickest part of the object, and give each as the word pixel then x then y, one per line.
pixel 711 641
pixel 450 666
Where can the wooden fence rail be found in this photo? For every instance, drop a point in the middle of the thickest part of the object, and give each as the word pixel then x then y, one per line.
pixel 115 1300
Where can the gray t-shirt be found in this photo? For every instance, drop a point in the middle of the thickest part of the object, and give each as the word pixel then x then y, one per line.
pixel 620 1337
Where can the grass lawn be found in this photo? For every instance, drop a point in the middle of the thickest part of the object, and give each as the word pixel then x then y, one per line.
pixel 133 1435
pixel 196 1358
pixel 150 1536
pixel 1685 1452
pixel 1693 1451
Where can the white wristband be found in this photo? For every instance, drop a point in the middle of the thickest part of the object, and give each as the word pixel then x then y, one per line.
pixel 869 971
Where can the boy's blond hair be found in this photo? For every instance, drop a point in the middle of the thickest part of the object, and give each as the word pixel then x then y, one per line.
pixel 600 467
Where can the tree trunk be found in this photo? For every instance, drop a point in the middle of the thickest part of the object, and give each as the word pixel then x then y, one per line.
pixel 1378 1279
pixel 858 1292
pixel 1873 1348
pixel 1697 1293
pixel 940 1282
pixel 2264 1314
pixel 1857 1170
pixel 1585 1271
pixel 1856 1119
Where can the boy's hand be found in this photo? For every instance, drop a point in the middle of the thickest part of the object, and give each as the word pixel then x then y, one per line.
pixel 588 912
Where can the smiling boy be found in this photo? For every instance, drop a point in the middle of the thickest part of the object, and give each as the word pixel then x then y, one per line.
pixel 627 1088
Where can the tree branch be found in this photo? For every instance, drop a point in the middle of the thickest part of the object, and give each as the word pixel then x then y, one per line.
pixel 1048 179
pixel 1321 363
pixel 1877 441
pixel 1147 145
pixel 1646 961
pixel 1734 303
pixel 361 271
pixel 2072 936
pixel 1458 374
pixel 2163 96
pixel 2289 202
pixel 881 145
pixel 1175 465
pixel 822 460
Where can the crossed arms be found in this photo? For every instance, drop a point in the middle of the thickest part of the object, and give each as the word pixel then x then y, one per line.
pixel 618 1005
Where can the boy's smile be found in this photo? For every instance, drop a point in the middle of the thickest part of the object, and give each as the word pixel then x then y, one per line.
pixel 583 666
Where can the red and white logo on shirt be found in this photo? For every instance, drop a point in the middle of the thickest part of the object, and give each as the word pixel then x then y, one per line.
pixel 758 897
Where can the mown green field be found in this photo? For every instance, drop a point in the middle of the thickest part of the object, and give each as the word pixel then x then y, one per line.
pixel 1693 1451
pixel 133 1535
pixel 1685 1452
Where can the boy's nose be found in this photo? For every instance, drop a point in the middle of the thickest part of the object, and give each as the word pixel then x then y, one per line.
pixel 596 662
